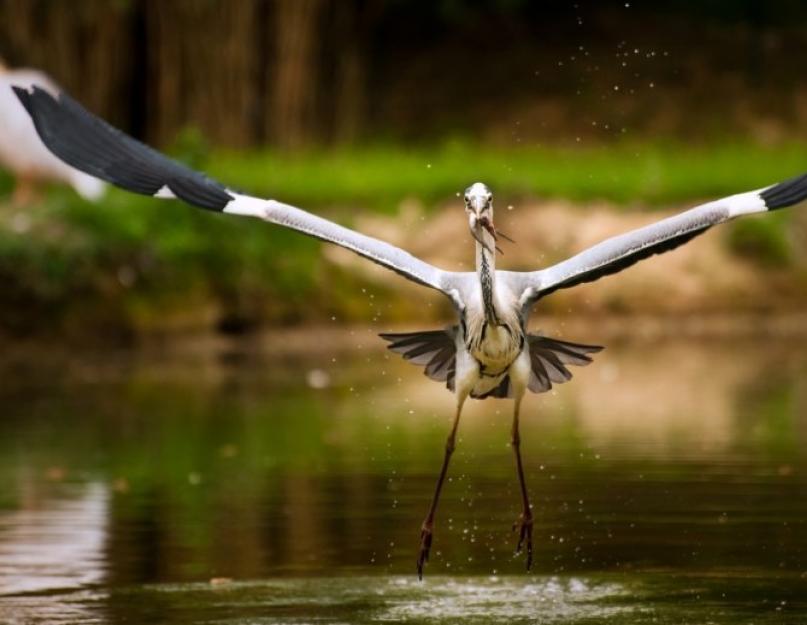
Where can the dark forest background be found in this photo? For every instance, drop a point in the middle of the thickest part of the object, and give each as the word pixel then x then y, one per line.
pixel 294 73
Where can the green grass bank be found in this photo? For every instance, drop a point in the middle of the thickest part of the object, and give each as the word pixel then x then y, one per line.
pixel 131 264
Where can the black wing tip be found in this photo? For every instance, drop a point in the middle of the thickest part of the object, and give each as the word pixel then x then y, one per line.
pixel 584 347
pixel 22 92
pixel 785 193
pixel 404 336
pixel 24 95
pixel 392 338
pixel 397 341
pixel 93 146
pixel 27 95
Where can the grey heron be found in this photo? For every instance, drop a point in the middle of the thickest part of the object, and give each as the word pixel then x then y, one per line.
pixel 21 150
pixel 488 353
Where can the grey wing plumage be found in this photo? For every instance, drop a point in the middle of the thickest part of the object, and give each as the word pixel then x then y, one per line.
pixel 435 350
pixel 549 358
pixel 620 252
pixel 93 146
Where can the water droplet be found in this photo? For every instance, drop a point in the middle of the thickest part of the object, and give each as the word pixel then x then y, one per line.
pixel 318 379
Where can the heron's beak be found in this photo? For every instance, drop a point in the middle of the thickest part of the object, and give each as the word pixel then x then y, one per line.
pixel 476 224
pixel 485 223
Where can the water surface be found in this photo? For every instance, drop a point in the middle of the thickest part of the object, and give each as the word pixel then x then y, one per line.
pixel 242 484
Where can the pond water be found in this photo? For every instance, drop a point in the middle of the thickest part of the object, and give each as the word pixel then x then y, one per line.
pixel 244 483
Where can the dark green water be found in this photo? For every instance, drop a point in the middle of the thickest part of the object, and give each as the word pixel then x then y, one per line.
pixel 669 483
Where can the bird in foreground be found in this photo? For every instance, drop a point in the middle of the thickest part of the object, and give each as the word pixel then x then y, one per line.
pixel 488 353
pixel 21 150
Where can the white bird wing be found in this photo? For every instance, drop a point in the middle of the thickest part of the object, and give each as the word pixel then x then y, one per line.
pixel 91 145
pixel 618 253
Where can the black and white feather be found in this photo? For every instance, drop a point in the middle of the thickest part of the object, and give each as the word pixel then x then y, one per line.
pixel 22 151
pixel 91 145
pixel 436 352
pixel 618 253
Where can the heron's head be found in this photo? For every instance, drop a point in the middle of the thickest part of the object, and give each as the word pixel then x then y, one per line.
pixel 479 207
pixel 478 203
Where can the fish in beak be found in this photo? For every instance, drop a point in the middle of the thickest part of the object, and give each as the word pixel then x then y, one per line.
pixel 476 224
pixel 478 206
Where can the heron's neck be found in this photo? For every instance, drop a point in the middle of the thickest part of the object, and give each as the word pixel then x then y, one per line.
pixel 486 270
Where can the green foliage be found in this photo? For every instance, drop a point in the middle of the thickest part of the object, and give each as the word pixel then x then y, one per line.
pixel 138 260
pixel 379 177
pixel 763 239
pixel 134 254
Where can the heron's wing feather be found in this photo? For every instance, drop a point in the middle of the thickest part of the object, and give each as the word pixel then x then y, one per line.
pixel 435 350
pixel 615 254
pixel 549 358
pixel 91 145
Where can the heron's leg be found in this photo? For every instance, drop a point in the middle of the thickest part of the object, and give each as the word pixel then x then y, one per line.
pixel 428 522
pixel 524 522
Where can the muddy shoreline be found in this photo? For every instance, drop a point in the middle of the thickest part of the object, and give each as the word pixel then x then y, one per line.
pixel 316 339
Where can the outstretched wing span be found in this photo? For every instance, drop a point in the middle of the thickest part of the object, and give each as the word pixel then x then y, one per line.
pixel 618 253
pixel 91 145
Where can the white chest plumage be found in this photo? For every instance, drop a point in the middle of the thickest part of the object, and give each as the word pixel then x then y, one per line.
pixel 492 339
pixel 493 346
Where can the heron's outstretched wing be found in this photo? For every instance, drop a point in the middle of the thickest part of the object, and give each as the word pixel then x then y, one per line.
pixel 615 254
pixel 91 145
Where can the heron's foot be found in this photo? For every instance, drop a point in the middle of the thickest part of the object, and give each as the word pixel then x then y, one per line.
pixel 524 527
pixel 425 546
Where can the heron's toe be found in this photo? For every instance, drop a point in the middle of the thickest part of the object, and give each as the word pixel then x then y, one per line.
pixel 524 526
pixel 425 547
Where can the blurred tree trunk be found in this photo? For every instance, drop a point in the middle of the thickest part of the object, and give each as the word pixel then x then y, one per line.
pixel 296 72
pixel 206 84
pixel 85 46
pixel 353 24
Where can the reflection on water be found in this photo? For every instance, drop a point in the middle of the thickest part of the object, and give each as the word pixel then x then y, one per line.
pixel 54 542
pixel 636 598
pixel 668 481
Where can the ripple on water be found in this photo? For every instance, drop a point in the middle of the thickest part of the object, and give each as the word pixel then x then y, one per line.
pixel 358 600
pixel 659 598
pixel 506 600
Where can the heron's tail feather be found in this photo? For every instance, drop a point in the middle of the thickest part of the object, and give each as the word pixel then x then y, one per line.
pixel 549 359
pixel 436 351
pixel 433 349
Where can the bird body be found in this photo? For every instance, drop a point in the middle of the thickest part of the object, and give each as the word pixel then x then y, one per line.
pixel 493 327
pixel 488 353
pixel 22 151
